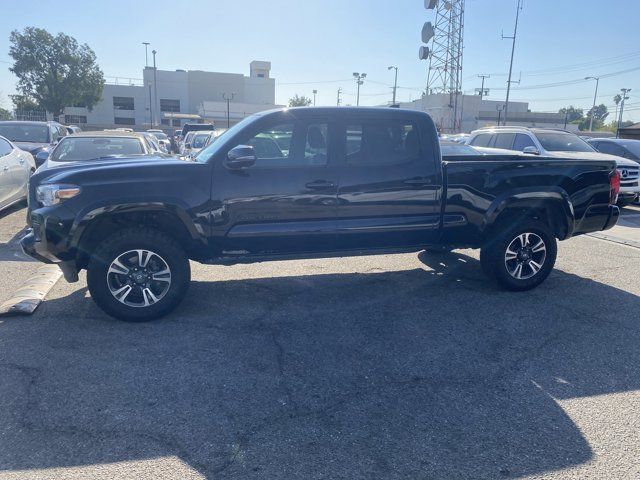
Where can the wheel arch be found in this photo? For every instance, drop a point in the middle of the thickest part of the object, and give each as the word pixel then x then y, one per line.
pixel 97 224
pixel 551 206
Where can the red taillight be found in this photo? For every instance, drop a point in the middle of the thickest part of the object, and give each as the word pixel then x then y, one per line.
pixel 614 183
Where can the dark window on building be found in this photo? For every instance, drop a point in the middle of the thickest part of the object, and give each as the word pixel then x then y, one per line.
pixel 123 103
pixel 482 140
pixel 504 140
pixel 175 122
pixel 167 105
pixel 381 142
pixel 261 75
pixel 164 121
pixel 124 121
pixel 75 119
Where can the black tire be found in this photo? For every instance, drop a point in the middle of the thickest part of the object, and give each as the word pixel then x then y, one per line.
pixel 169 254
pixel 494 262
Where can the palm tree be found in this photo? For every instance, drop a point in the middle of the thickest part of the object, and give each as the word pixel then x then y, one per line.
pixel 617 99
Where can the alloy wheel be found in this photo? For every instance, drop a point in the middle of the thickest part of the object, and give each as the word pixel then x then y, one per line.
pixel 525 256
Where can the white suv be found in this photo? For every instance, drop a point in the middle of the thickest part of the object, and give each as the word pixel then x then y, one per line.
pixel 556 143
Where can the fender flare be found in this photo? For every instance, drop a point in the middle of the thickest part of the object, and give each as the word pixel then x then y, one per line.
pixel 555 198
pixel 86 216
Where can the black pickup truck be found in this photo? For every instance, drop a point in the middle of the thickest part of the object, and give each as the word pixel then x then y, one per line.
pixel 307 183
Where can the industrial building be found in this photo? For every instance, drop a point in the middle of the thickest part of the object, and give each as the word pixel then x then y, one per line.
pixel 474 112
pixel 164 98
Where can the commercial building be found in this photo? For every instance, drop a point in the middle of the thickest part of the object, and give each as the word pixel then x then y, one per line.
pixel 164 98
pixel 472 112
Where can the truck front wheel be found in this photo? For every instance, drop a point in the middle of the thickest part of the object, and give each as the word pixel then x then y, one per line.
pixel 520 257
pixel 138 274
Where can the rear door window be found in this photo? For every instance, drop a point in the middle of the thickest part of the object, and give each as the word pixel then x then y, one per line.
pixel 611 148
pixel 384 141
pixel 481 140
pixel 504 140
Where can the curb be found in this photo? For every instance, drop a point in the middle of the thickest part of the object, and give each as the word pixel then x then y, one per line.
pixel 30 295
pixel 611 238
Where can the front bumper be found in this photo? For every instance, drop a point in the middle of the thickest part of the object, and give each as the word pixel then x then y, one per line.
pixel 612 218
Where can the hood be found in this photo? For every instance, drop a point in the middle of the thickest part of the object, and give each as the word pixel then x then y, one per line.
pixel 31 147
pixel 620 161
pixel 112 166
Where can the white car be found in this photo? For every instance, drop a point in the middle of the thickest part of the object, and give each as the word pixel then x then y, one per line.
pixel 548 142
pixel 86 146
pixel 163 140
pixel 16 166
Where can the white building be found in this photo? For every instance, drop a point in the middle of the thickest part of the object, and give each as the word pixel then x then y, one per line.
pixel 473 113
pixel 167 98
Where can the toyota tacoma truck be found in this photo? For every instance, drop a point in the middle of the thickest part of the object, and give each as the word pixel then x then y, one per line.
pixel 306 183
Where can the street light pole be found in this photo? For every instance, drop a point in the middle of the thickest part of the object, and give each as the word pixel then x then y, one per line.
pixel 395 85
pixel 595 96
pixel 314 97
pixel 150 107
pixel 146 53
pixel 155 84
pixel 499 108
pixel 338 100
pixel 359 80
pixel 228 99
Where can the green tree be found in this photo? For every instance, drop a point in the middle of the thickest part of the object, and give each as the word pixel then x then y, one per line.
pixel 5 114
pixel 297 101
pixel 599 113
pixel 22 102
pixel 55 71
pixel 573 114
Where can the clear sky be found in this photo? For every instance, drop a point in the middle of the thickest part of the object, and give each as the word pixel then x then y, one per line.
pixel 318 44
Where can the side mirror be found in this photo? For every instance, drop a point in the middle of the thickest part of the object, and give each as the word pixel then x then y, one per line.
pixel 41 157
pixel 240 157
pixel 531 150
pixel 187 145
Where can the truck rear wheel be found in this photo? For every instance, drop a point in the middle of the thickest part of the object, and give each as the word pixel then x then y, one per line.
pixel 520 257
pixel 138 274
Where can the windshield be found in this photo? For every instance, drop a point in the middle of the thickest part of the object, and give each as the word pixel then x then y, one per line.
pixel 159 135
pixel 206 153
pixel 199 140
pixel 25 133
pixel 563 142
pixel 77 149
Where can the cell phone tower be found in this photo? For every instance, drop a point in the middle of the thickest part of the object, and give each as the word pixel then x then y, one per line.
pixel 443 49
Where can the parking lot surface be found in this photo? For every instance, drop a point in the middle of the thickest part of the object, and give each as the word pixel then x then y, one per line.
pixel 397 366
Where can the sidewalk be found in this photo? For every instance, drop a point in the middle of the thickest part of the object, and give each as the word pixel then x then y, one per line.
pixel 627 231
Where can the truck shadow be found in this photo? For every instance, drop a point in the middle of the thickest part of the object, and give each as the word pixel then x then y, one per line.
pixel 399 374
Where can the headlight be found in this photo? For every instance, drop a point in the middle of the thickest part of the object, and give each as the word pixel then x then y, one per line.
pixel 48 195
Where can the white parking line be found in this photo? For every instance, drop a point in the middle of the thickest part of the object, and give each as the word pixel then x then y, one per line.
pixel 30 295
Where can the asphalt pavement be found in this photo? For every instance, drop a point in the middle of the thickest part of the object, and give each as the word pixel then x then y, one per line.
pixel 391 367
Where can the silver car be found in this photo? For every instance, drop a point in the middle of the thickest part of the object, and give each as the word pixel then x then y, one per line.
pixel 16 166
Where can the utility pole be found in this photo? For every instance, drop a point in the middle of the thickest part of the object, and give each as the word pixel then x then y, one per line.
pixel 513 48
pixel 146 53
pixel 228 99
pixel 150 107
pixel 395 86
pixel 315 92
pixel 566 118
pixel 624 97
pixel 339 92
pixel 155 84
pixel 482 92
pixel 595 96
pixel 359 77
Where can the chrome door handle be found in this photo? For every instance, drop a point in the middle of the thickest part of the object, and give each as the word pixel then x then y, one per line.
pixel 5 169
pixel 22 161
